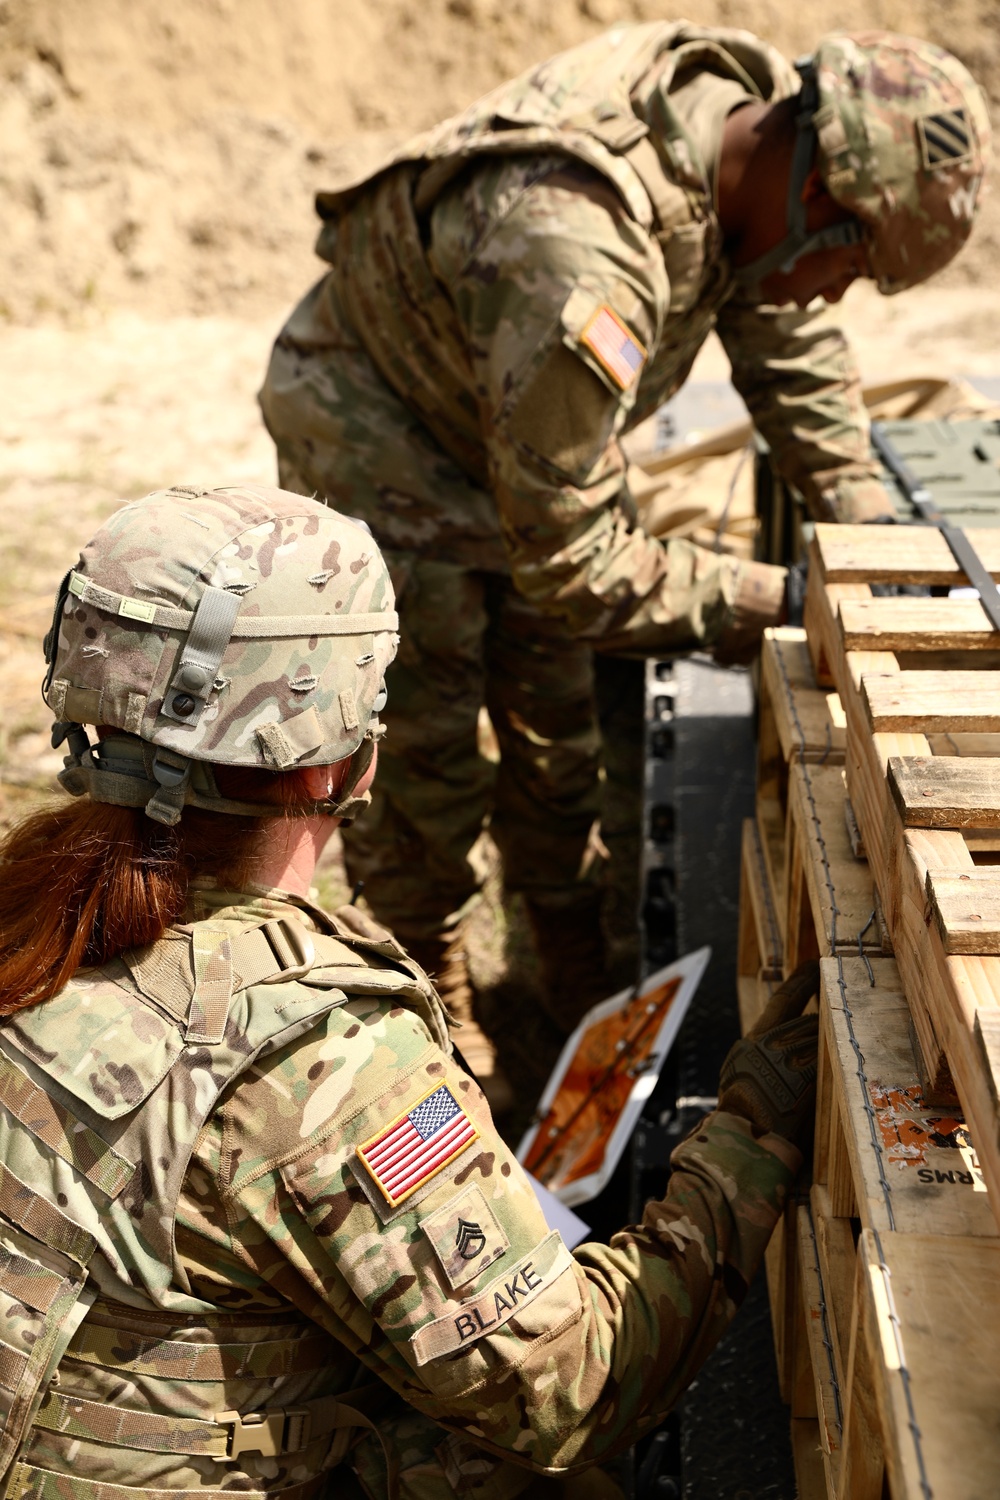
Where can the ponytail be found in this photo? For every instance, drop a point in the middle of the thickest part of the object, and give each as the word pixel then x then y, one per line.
pixel 82 882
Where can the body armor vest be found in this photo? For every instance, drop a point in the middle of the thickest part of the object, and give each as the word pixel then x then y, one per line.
pixel 112 1371
pixel 605 104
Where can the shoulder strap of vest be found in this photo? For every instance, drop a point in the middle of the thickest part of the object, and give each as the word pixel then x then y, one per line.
pixel 193 972
pixel 672 205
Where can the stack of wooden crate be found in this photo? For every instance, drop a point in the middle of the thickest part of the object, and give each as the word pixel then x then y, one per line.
pixel 875 847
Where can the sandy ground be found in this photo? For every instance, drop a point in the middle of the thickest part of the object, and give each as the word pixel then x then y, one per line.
pixel 163 159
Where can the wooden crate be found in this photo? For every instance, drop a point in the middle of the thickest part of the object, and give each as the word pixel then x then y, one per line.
pixel 883 1153
pixel 891 1167
pixel 921 696
pixel 830 904
pixel 931 1316
pixel 888 1253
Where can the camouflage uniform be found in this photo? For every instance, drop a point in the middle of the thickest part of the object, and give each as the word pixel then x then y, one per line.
pixel 443 382
pixel 190 1233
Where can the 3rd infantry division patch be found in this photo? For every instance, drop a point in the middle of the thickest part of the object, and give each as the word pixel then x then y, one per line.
pixel 408 1152
pixel 945 138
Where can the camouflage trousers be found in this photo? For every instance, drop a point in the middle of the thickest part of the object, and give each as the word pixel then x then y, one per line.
pixel 467 640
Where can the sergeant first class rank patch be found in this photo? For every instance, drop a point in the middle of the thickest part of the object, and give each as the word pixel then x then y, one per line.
pixel 466 1236
pixel 407 1153
pixel 614 347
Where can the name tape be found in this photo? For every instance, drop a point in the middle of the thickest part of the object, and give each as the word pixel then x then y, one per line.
pixel 501 1300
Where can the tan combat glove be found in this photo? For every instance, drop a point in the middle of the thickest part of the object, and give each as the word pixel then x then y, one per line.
pixel 852 500
pixel 769 1076
pixel 760 602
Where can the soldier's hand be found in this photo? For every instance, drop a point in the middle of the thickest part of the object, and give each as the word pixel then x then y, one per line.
pixel 769 1076
pixel 760 601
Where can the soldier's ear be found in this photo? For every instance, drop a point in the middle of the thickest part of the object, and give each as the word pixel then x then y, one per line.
pixel 322 781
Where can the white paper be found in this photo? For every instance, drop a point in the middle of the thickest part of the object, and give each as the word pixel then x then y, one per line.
pixel 557 1216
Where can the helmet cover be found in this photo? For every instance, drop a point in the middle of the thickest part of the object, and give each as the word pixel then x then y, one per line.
pixel 903 144
pixel 240 626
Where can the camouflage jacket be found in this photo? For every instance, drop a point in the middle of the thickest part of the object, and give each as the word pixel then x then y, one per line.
pixel 348 1211
pixel 536 276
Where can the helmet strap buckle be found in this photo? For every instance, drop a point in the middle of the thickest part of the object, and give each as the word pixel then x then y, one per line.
pixel 172 773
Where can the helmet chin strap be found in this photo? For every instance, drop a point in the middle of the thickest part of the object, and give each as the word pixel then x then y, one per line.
pixel 346 806
pixel 798 241
pixel 128 772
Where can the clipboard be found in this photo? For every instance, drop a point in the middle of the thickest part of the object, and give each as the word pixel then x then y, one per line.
pixel 606 1071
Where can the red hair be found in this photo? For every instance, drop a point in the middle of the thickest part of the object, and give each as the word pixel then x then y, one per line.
pixel 84 881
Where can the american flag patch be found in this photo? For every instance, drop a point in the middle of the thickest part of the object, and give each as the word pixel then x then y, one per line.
pixel 611 343
pixel 409 1151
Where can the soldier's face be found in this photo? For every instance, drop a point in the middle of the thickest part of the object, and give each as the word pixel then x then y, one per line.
pixel 825 273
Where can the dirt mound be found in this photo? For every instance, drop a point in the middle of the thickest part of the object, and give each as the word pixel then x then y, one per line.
pixel 164 159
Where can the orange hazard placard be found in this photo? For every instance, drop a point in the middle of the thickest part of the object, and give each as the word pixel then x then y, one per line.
pixel 608 1067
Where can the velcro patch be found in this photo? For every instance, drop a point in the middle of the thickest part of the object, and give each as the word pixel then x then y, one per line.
pixel 502 1300
pixel 945 138
pixel 407 1153
pixel 614 347
pixel 466 1236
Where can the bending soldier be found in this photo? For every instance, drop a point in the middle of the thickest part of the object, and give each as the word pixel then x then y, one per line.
pixel 259 1233
pixel 507 296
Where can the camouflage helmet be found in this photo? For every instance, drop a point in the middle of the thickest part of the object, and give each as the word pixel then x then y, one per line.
pixel 903 143
pixel 899 133
pixel 241 626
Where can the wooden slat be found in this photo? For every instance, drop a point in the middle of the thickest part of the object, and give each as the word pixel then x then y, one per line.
pixel 935 1371
pixel 878 821
pixel 839 886
pixel 780 1263
pixel 929 701
pixel 981 746
pixel 807 1456
pixel 820 617
pixel 837 1258
pixel 760 907
pixel 966 908
pixel 802 718
pixel 820 1344
pixel 946 791
pixel 862 1460
pixel 899 554
pixel 771 829
pixel 910 1162
pixel 910 624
